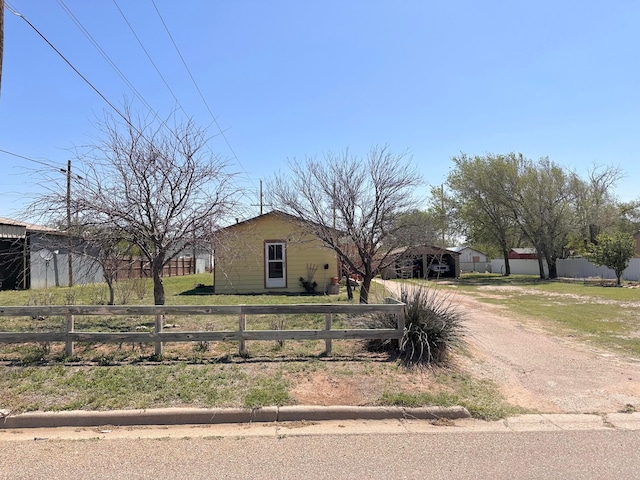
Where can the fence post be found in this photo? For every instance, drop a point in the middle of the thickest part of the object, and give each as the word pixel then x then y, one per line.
pixel 242 326
pixel 159 325
pixel 328 319
pixel 400 318
pixel 399 321
pixel 68 350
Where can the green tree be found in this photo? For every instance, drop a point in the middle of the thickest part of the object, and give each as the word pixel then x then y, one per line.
pixel 629 217
pixel 613 251
pixel 441 211
pixel 542 206
pixel 482 188
pixel 415 227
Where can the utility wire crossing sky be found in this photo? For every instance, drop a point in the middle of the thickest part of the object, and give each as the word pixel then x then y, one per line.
pixel 276 81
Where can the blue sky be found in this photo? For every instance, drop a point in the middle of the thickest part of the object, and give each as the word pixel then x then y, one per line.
pixel 285 79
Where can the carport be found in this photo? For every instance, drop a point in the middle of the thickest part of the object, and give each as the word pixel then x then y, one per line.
pixel 424 261
pixel 13 255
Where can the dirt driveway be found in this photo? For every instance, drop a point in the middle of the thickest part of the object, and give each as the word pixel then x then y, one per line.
pixel 540 371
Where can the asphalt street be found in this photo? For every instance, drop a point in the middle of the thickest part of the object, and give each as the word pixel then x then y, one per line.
pixel 536 446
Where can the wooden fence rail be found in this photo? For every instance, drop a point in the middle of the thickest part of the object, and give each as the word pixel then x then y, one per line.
pixel 158 336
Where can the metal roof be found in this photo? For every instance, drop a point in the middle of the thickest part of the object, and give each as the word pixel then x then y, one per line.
pixel 10 228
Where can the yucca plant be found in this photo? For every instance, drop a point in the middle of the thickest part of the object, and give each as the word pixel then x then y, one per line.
pixel 433 326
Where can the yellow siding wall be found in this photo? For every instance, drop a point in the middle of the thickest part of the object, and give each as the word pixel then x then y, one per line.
pixel 239 256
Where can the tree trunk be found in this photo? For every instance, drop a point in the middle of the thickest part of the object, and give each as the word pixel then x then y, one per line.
pixel 507 267
pixel 112 293
pixel 349 288
pixel 553 268
pixel 364 289
pixel 541 267
pixel 158 287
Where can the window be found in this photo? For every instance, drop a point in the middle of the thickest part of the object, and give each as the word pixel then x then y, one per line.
pixel 275 265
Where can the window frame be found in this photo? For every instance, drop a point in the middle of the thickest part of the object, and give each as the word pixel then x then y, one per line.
pixel 275 282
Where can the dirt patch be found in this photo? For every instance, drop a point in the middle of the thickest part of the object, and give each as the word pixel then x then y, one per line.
pixel 356 384
pixel 537 370
pixel 540 371
pixel 319 388
pixel 534 368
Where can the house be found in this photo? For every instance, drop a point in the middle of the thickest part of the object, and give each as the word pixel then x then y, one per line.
pixel 472 260
pixel 523 254
pixel 423 261
pixel 271 253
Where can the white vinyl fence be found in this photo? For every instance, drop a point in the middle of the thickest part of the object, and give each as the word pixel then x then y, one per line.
pixel 568 268
pixel 583 268
pixel 519 267
pixel 480 267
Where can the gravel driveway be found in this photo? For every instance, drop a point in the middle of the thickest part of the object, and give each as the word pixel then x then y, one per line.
pixel 541 371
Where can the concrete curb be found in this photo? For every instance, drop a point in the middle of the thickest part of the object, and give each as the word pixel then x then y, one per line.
pixel 203 416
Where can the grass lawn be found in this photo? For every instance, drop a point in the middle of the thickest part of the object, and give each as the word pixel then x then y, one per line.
pixel 40 377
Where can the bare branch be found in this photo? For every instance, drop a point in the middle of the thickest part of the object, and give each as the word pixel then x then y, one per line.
pixel 151 187
pixel 351 203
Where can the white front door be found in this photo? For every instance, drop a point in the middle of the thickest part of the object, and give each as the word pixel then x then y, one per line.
pixel 275 265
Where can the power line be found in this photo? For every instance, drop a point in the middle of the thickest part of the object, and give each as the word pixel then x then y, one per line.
pixel 40 162
pixel 105 55
pixel 43 163
pixel 107 101
pixel 149 56
pixel 113 65
pixel 117 70
pixel 85 79
pixel 200 92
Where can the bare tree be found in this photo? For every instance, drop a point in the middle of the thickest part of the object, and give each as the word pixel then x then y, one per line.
pixel 110 252
pixel 150 185
pixel 596 208
pixel 352 204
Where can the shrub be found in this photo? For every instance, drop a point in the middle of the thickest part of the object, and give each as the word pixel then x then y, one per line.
pixel 308 285
pixel 432 327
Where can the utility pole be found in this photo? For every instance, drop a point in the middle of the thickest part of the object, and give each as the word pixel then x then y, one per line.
pixel 444 217
pixel 69 235
pixel 260 201
pixel 1 39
